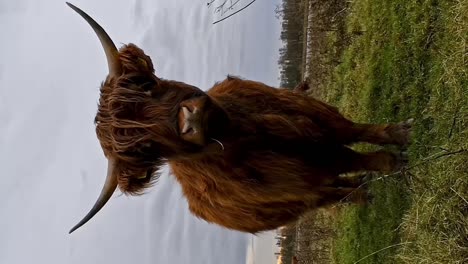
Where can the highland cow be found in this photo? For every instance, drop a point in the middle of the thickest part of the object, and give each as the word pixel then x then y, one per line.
pixel 248 156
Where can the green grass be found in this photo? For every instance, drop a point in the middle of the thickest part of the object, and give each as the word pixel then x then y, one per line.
pixel 411 60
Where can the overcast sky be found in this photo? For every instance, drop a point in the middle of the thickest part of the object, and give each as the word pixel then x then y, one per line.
pixel 51 65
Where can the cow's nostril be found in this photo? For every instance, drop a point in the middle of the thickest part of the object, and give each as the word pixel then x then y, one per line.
pixel 187 129
pixel 186 112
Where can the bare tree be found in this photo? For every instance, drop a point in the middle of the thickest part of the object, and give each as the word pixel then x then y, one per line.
pixel 227 8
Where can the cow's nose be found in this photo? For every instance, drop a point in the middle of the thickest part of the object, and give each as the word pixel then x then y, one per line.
pixel 192 120
pixel 189 118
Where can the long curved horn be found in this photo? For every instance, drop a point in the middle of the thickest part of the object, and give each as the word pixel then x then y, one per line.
pixel 109 187
pixel 112 54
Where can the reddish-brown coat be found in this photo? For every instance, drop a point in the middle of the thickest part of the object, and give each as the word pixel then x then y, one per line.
pixel 270 154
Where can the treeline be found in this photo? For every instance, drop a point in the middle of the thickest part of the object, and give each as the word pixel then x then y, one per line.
pixel 287 242
pixel 328 38
pixel 290 60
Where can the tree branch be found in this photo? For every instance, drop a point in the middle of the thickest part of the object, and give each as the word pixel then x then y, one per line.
pixel 224 18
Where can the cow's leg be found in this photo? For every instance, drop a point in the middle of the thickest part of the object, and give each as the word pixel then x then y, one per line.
pixel 397 134
pixel 344 131
pixel 354 181
pixel 348 160
pixel 333 195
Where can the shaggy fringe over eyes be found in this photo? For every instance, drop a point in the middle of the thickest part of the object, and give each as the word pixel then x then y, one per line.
pixel 131 126
pixel 126 135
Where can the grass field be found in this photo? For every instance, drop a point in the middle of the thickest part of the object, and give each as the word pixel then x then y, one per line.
pixel 410 59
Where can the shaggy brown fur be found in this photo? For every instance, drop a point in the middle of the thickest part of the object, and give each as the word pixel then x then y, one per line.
pixel 270 154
